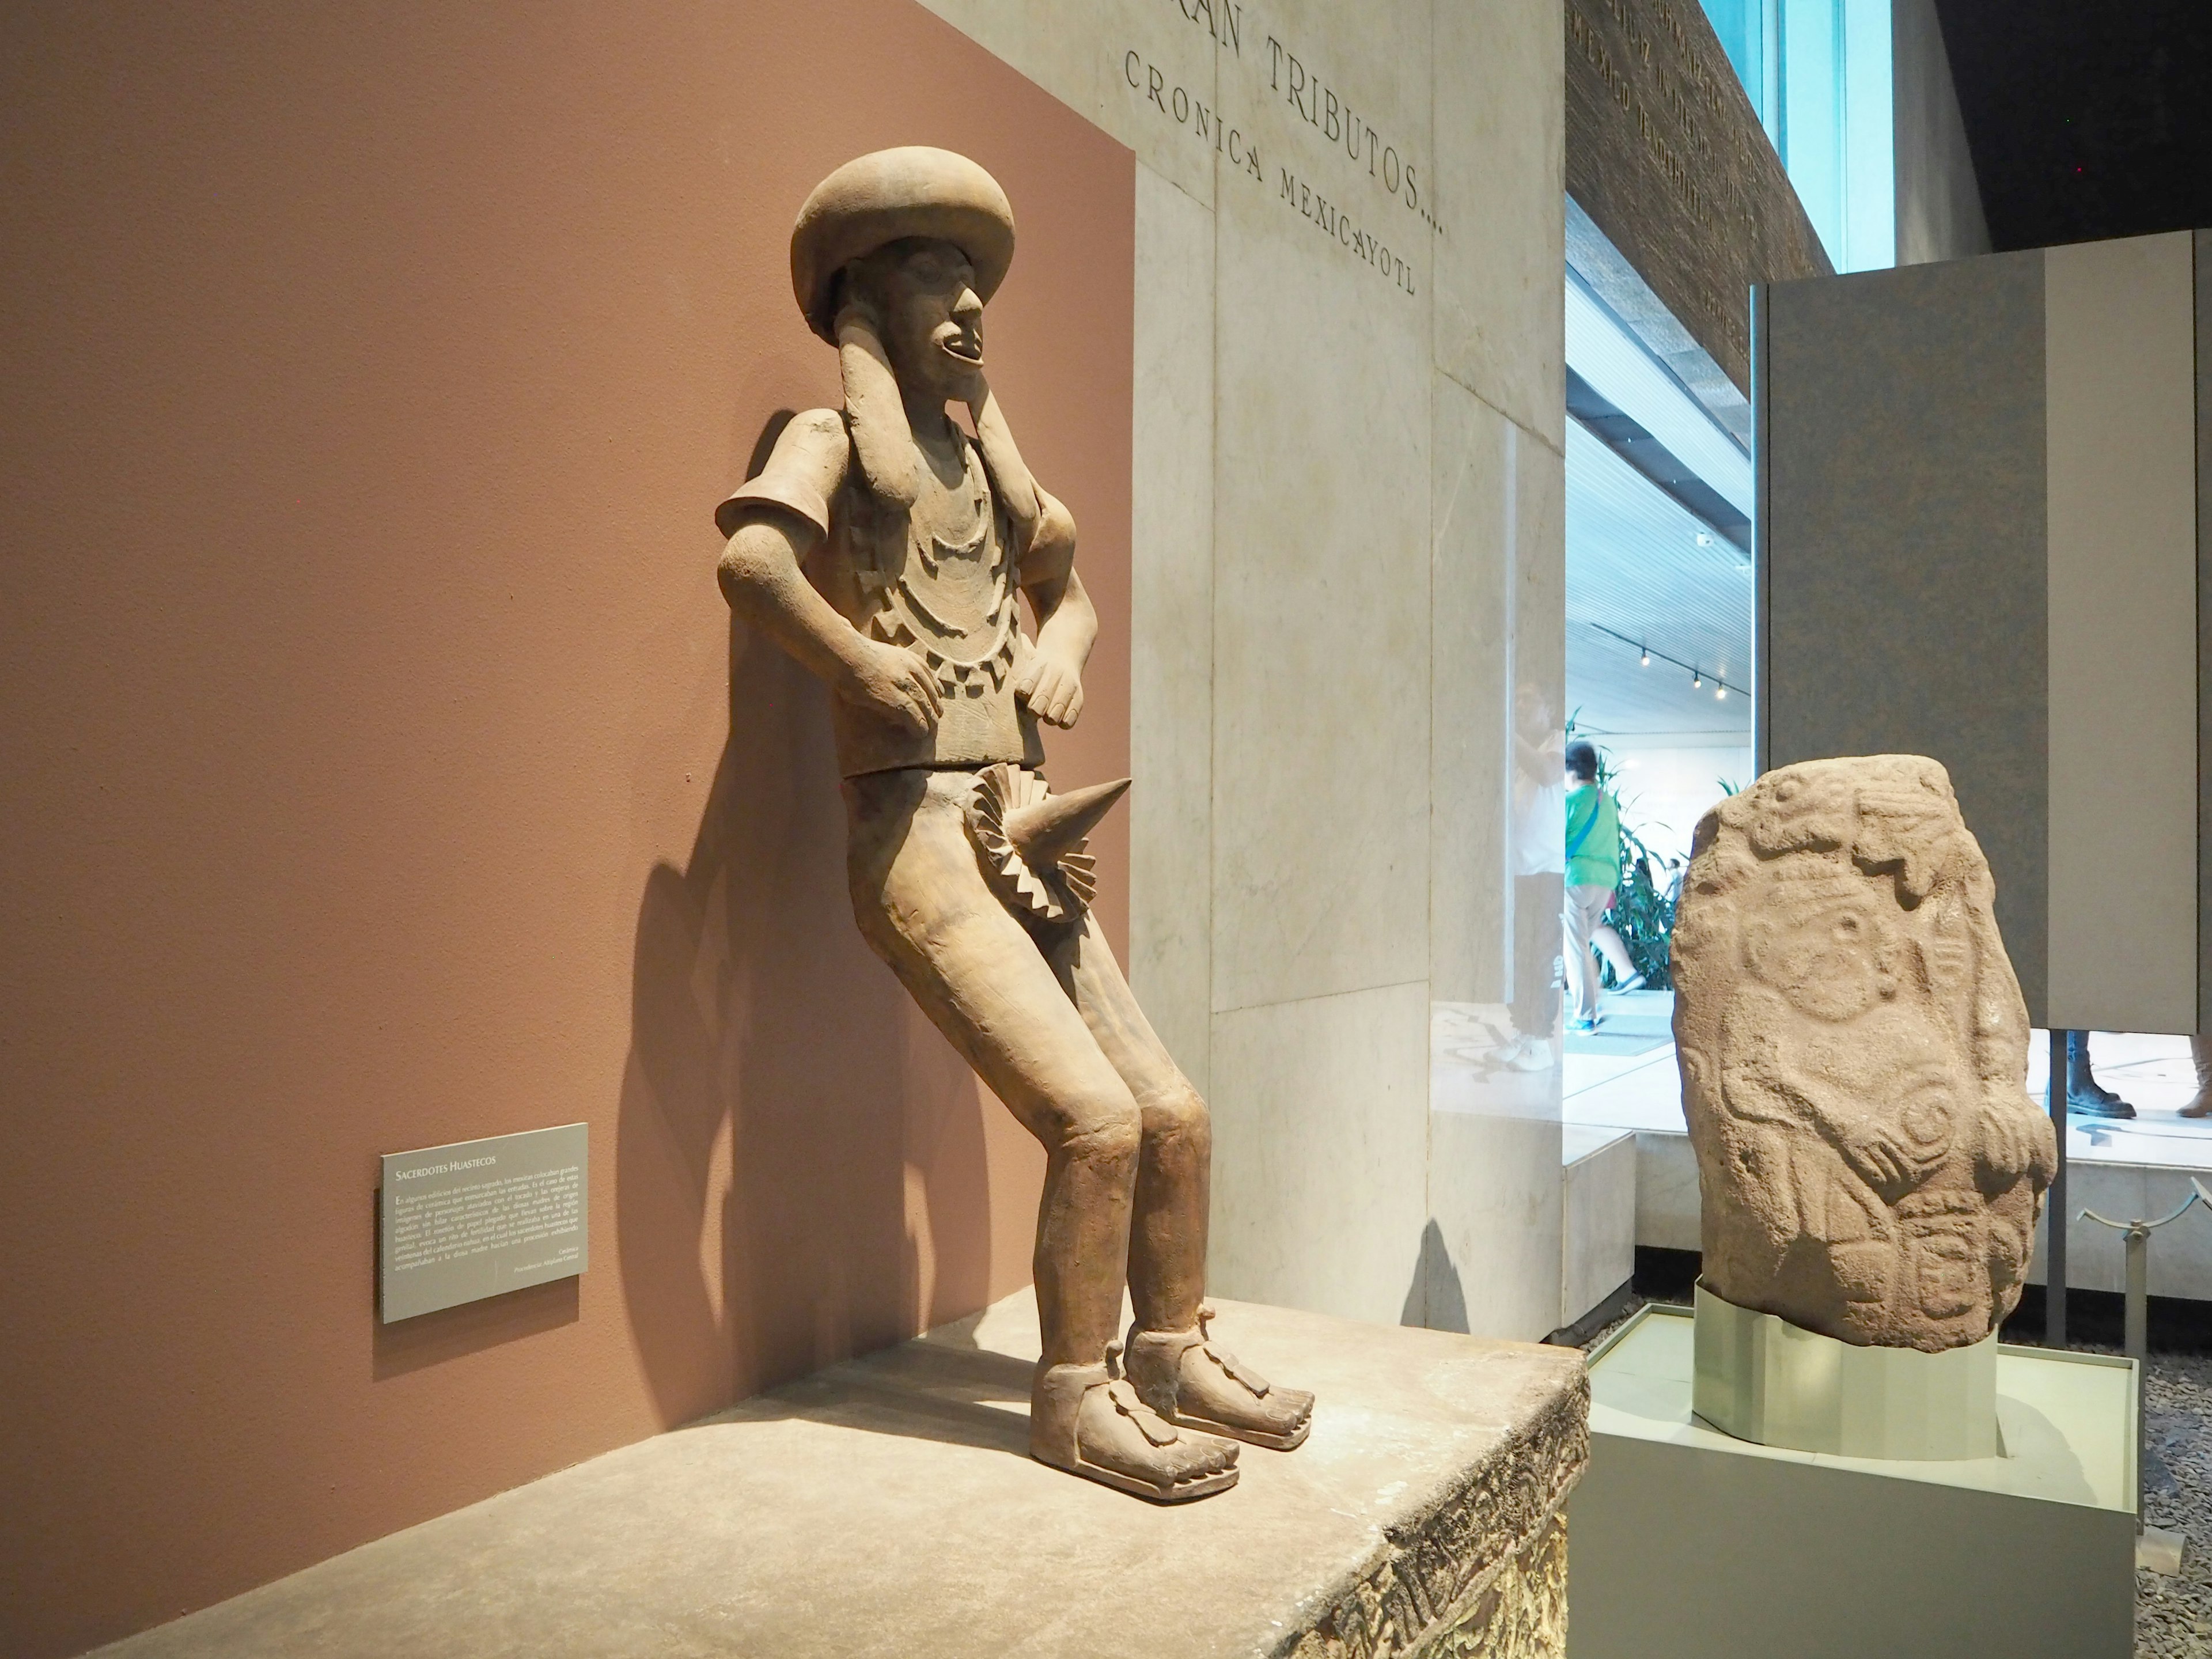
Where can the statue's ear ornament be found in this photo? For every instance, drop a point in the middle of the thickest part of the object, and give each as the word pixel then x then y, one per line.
pixel 874 412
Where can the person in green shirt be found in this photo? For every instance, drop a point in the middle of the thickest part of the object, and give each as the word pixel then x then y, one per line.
pixel 1593 867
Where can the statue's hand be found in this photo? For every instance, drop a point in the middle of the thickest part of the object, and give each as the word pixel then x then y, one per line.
pixel 1052 686
pixel 1880 1155
pixel 890 681
pixel 2017 1139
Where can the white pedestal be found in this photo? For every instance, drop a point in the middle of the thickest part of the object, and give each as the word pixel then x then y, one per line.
pixel 1691 1544
pixel 1762 1378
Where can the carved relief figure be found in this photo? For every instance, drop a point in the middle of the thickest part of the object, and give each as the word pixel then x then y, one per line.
pixel 884 546
pixel 1854 1057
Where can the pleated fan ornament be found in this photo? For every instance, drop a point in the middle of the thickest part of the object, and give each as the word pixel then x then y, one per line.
pixel 1033 842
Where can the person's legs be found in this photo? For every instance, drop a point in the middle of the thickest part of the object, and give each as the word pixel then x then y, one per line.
pixel 1536 901
pixel 920 897
pixel 1585 904
pixel 2083 1092
pixel 2200 1058
pixel 1615 950
pixel 1179 1371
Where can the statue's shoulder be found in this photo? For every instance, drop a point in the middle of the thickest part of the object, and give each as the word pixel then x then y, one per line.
pixel 806 467
pixel 814 441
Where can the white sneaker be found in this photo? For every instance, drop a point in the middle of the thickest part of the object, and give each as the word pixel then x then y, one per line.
pixel 1534 1055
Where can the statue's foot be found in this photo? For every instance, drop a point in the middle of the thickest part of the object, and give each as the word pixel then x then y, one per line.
pixel 1196 1383
pixel 1086 1420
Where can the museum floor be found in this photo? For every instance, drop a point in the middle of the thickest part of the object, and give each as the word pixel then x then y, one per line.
pixel 2173 1616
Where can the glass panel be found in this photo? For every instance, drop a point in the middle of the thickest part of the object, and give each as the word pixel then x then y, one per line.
pixel 1870 139
pixel 1813 113
pixel 1741 25
pixel 1819 74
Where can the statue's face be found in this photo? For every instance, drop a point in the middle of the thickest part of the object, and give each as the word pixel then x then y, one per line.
pixel 933 321
pixel 1831 962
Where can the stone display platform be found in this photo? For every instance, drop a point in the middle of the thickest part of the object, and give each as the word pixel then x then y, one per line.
pixel 1690 1544
pixel 888 1507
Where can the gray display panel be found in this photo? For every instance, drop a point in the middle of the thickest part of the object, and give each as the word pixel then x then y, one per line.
pixel 457 1223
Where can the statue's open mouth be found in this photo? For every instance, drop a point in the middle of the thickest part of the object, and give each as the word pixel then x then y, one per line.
pixel 968 351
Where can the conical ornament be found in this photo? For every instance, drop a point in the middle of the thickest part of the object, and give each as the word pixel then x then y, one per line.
pixel 1032 843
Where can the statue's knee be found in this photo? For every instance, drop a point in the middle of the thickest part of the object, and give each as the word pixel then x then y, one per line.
pixel 1177 1113
pixel 1102 1127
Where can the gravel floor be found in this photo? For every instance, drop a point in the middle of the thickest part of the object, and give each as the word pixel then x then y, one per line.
pixel 2173 1616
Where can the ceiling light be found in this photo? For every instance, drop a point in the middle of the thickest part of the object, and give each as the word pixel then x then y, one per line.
pixel 1720 692
pixel 1697 678
pixel 1647 656
pixel 1704 539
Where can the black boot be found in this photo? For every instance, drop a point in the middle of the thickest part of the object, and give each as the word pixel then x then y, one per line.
pixel 2084 1094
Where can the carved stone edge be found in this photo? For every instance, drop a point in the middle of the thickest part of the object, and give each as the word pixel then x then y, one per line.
pixel 1425 1587
pixel 1521 1613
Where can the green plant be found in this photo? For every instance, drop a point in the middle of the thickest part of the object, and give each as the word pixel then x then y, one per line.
pixel 1642 911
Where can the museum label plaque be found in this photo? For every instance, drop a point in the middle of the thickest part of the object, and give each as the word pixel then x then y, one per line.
pixel 457 1223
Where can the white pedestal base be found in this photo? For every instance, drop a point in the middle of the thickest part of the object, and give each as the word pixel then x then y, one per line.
pixel 1691 1544
pixel 1761 1378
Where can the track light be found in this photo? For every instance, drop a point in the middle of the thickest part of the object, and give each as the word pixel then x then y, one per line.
pixel 1720 693
pixel 1647 656
pixel 1698 679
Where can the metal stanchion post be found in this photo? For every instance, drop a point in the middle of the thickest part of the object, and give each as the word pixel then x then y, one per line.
pixel 2158 1550
pixel 2054 1254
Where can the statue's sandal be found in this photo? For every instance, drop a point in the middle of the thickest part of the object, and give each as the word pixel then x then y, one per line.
pixel 1127 1446
pixel 1191 1381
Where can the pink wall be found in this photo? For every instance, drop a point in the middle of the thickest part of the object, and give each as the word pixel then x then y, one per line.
pixel 381 767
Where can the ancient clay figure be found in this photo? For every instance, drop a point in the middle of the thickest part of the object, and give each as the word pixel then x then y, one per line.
pixel 1854 1057
pixel 883 546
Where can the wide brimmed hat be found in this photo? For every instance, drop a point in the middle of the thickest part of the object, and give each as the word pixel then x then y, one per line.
pixel 913 191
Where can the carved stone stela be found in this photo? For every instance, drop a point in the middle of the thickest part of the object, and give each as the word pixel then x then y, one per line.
pixel 1854 1056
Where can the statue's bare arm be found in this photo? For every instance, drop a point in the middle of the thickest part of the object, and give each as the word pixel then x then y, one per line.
pixel 762 579
pixel 1760 1086
pixel 1050 679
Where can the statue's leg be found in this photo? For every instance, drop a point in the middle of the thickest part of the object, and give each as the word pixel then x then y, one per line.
pixel 921 899
pixel 1181 1373
pixel 1166 1244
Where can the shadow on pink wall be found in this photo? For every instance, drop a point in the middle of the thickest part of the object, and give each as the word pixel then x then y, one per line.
pixel 381 769
pixel 791 1128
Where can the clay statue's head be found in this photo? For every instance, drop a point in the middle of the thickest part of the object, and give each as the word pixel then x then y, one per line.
pixel 919 295
pixel 893 259
pixel 888 203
